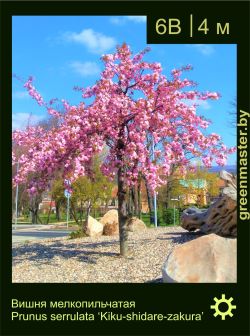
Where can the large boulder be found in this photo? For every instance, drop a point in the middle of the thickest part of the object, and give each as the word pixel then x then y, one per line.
pixel 207 259
pixel 134 224
pixel 110 217
pixel 111 229
pixel 221 216
pixel 94 228
pixel 110 223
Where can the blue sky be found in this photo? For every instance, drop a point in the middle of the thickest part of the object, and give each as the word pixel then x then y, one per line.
pixel 64 51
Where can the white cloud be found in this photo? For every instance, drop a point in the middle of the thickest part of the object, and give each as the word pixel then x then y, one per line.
pixel 205 49
pixel 86 68
pixel 137 19
pixel 21 119
pixel 95 42
pixel 20 95
pixel 120 20
pixel 203 104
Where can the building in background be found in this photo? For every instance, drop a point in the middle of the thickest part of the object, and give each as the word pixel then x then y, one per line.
pixel 196 191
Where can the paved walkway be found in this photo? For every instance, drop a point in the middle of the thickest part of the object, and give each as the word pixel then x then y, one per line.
pixel 37 232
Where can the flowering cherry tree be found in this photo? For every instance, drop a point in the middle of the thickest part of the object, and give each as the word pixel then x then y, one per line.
pixel 132 102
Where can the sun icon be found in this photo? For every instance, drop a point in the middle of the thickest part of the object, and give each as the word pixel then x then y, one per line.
pixel 223 302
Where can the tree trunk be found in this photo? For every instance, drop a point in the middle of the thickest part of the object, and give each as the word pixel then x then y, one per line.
pixel 170 182
pixel 168 195
pixel 58 214
pixel 130 203
pixel 122 206
pixel 73 212
pixel 85 225
pixel 39 219
pixel 139 198
pixel 122 214
pixel 150 202
pixel 49 213
pixel 81 213
pixel 34 218
pixel 106 207
pixel 34 205
pixel 135 201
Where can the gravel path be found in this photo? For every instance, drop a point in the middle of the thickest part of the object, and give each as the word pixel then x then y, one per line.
pixel 97 259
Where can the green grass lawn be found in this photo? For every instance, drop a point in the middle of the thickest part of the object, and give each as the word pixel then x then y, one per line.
pixel 146 219
pixel 53 220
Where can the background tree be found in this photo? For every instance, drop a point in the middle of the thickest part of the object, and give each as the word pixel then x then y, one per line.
pixel 90 191
pixel 25 202
pixel 35 200
pixel 57 194
pixel 134 200
pixel 196 184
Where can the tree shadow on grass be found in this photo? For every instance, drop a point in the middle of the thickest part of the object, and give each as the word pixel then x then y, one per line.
pixel 44 254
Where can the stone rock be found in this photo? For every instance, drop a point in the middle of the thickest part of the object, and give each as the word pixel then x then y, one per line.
pixel 134 224
pixel 94 228
pixel 220 217
pixel 207 259
pixel 110 217
pixel 111 229
pixel 110 222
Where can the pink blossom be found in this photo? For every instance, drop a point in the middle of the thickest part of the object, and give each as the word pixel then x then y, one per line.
pixel 161 109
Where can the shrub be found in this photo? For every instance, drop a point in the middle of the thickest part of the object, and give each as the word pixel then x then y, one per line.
pixel 169 218
pixel 77 234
